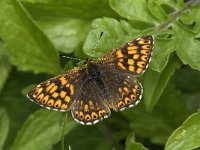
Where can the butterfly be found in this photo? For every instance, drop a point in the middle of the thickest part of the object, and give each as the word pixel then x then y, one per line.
pixel 100 85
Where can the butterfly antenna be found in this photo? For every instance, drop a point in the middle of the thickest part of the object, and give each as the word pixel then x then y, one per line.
pixel 72 58
pixel 95 47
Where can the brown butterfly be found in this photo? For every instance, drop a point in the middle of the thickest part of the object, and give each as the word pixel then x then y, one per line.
pixel 109 82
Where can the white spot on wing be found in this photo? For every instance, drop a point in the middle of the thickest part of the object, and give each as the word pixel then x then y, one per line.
pixel 88 123
pixel 96 121
pixel 137 102
pixel 48 108
pixel 105 116
pixel 122 108
pixel 130 105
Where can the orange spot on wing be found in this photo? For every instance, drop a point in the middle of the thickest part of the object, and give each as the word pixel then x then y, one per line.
pixel 101 112
pixel 40 97
pixel 145 52
pixel 131 61
pixel 144 58
pixel 94 115
pixel 81 115
pixel 145 46
pixel 67 99
pixel 87 117
pixel 119 53
pixel 132 52
pixel 120 104
pixel 71 89
pixel 63 80
pixel 64 106
pixel 55 94
pixel 135 92
pixel 136 56
pixel 46 98
pixel 54 88
pixel 62 94
pixel 50 102
pixel 91 105
pixel 141 64
pixel 121 65
pixel 127 100
pixel 126 89
pixel 86 108
pixel 133 97
pixel 120 90
pixel 50 86
pixel 132 47
pixel 142 41
pixel 58 103
pixel 131 68
pixel 139 70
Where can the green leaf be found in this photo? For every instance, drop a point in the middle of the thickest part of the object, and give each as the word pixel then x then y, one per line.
pixel 161 52
pixel 89 9
pixel 167 115
pixel 133 10
pixel 115 34
pixel 192 17
pixel 12 99
pixel 4 67
pixel 187 136
pixel 27 46
pixel 188 80
pixel 154 83
pixel 152 126
pixel 156 10
pixel 192 101
pixel 168 6
pixel 132 145
pixel 4 127
pixel 41 131
pixel 187 46
pixel 66 34
pixel 173 107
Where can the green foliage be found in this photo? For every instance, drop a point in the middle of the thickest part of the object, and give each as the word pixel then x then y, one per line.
pixel 34 32
pixel 37 122
pixel 4 127
pixel 187 135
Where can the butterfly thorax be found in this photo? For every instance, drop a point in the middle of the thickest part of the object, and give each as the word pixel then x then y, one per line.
pixel 92 70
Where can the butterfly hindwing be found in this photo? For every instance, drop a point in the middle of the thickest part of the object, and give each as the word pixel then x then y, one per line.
pixel 123 89
pixel 130 93
pixel 88 107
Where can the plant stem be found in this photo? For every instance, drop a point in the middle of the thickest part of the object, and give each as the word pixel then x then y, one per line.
pixel 166 24
pixel 63 133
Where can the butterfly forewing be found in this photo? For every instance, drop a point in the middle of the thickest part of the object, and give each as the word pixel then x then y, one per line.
pixel 57 93
pixel 133 56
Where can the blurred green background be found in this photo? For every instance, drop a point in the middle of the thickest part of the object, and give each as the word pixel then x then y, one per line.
pixel 34 32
